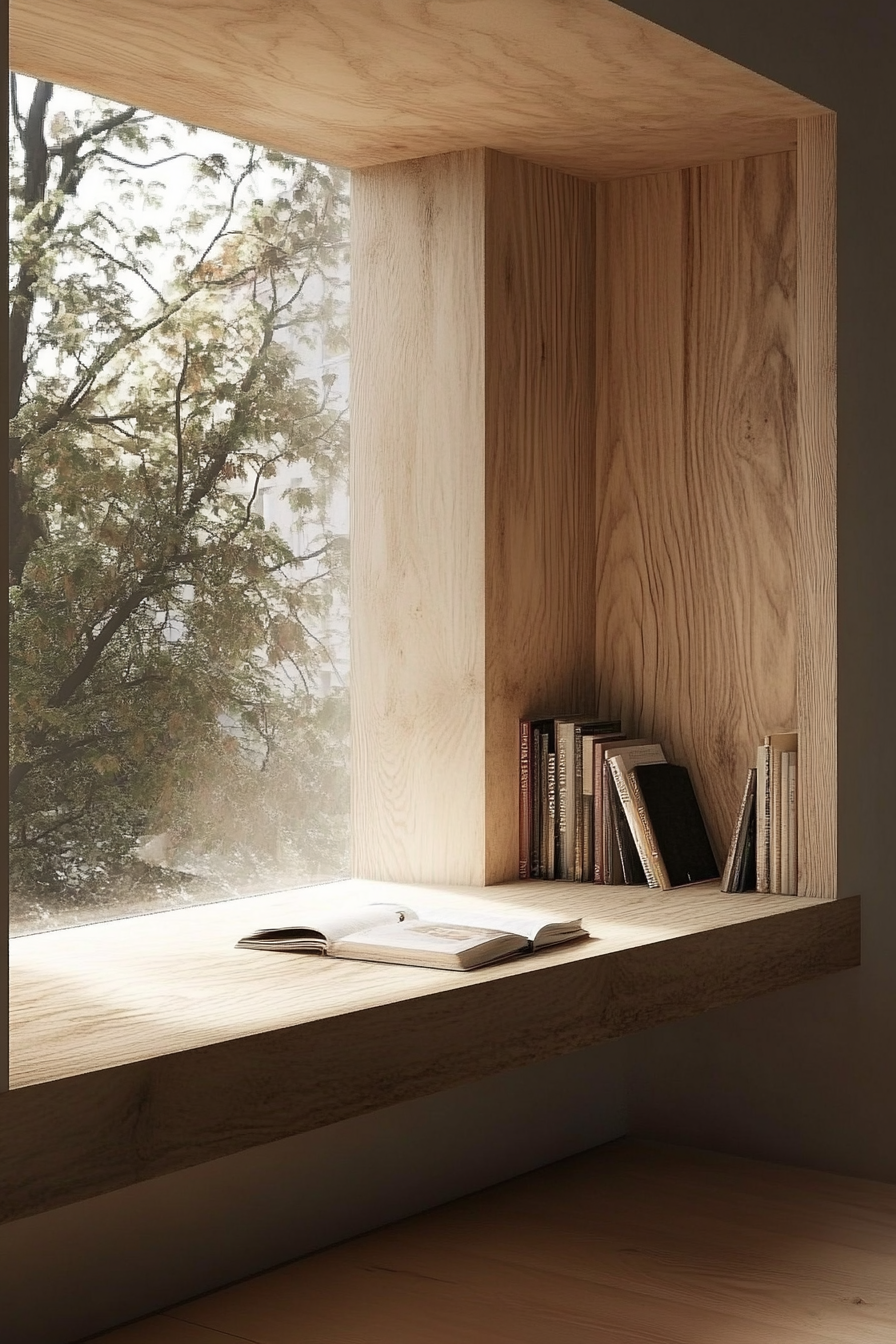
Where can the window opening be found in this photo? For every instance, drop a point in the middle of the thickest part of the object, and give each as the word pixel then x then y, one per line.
pixel 179 513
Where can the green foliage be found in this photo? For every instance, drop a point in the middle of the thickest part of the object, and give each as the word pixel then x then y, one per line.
pixel 163 639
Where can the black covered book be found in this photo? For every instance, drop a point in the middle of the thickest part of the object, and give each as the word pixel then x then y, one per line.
pixel 676 827
pixel 740 867
pixel 632 868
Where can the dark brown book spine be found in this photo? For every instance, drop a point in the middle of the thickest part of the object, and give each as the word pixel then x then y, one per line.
pixel 552 817
pixel 613 869
pixel 535 849
pixel 603 842
pixel 547 819
pixel 525 797
pixel 599 868
pixel 630 869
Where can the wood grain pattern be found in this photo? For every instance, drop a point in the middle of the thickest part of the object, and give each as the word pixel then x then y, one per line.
pixel 473 499
pixel 332 1039
pixel 816 503
pixel 418 522
pixel 631 1241
pixel 581 85
pixel 107 994
pixel 539 471
pixel 697 563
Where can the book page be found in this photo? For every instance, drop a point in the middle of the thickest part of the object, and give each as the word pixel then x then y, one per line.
pixel 527 923
pixel 329 925
pixel 342 922
pixel 429 943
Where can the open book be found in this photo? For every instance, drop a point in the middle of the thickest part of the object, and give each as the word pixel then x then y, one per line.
pixel 384 932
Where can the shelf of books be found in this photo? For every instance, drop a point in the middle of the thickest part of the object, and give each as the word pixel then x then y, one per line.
pixel 599 806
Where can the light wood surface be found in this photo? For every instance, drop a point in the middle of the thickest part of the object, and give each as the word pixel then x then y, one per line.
pixel 715 546
pixel 816 503
pixel 582 85
pixel 418 520
pixel 539 471
pixel 199 1050
pixel 473 499
pixel 631 1243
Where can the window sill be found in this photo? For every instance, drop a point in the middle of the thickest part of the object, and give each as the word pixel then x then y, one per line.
pixel 150 1044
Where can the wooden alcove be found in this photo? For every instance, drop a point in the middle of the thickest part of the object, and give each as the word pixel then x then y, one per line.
pixel 594 445
pixel 594 459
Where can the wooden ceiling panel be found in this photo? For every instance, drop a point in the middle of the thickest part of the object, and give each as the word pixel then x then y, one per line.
pixel 581 85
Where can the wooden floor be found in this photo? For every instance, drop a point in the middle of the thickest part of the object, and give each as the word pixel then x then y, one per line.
pixel 628 1244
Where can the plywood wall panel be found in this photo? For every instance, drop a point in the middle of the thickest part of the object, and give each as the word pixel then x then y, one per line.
pixel 697 621
pixel 472 500
pixel 582 85
pixel 640 454
pixel 540 523
pixel 418 536
pixel 816 521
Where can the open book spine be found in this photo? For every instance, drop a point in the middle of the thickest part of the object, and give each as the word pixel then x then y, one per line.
pixel 620 778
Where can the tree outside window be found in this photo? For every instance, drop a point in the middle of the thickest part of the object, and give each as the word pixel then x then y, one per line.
pixel 178 706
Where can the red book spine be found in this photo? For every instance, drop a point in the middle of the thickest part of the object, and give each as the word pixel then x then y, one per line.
pixel 525 796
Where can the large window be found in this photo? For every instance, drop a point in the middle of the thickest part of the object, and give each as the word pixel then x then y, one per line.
pixel 178 514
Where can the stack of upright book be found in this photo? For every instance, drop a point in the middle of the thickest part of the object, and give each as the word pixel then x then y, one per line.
pixel 597 806
pixel 763 852
pixel 776 810
pixel 557 795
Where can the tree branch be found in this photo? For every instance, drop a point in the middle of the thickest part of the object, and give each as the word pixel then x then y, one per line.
pixel 158 578
pixel 179 429
pixel 70 147
pixel 92 245
pixel 250 165
pixel 107 154
pixel 14 105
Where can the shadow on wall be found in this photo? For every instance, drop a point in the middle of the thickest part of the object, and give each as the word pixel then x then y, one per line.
pixel 137 1250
